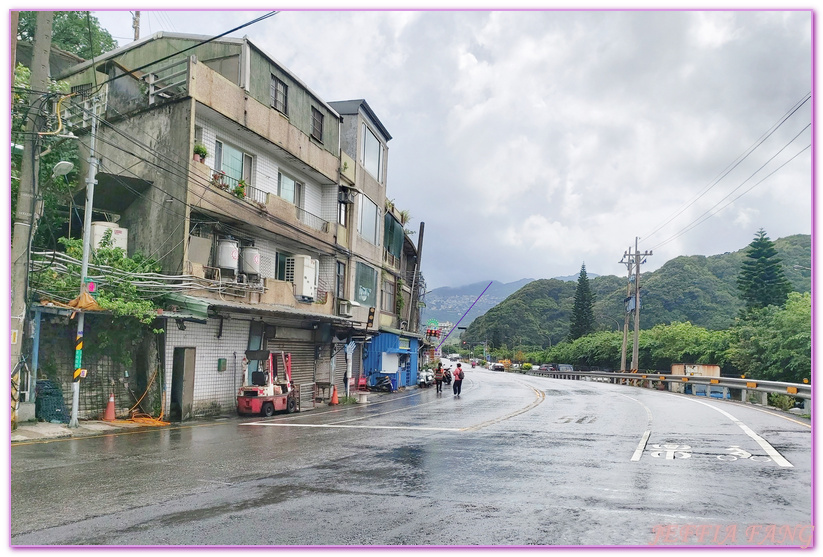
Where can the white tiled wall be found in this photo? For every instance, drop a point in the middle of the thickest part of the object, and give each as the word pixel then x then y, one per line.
pixel 210 386
pixel 266 168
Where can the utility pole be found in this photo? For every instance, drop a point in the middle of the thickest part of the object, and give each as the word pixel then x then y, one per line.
pixel 135 23
pixel 630 266
pixel 412 301
pixel 637 259
pixel 24 216
pixel 81 318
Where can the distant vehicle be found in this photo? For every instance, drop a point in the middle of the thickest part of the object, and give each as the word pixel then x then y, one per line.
pixel 714 391
pixel 456 357
pixel 498 367
pixel 548 367
pixel 569 367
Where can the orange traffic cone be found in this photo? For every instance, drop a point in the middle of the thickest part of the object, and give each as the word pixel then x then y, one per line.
pixel 334 396
pixel 109 415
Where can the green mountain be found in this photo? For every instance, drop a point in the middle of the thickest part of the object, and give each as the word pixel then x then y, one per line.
pixel 698 289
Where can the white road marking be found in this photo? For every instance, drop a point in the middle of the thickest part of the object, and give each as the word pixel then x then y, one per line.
pixel 771 451
pixel 638 452
pixel 355 426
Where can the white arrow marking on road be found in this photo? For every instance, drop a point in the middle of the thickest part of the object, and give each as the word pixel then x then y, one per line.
pixel 771 451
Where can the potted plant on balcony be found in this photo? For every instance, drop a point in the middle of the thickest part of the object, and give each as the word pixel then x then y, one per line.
pixel 200 152
pixel 218 180
pixel 240 189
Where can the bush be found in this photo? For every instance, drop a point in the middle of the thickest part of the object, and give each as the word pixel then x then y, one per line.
pixel 527 367
pixel 784 402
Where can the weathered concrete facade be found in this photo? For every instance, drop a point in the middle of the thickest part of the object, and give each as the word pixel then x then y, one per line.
pixel 271 209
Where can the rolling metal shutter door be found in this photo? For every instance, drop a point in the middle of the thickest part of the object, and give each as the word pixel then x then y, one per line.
pixel 357 361
pixel 302 358
pixel 340 372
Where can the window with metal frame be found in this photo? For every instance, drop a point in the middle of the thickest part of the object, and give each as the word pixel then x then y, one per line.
pixel 233 162
pixel 372 154
pixel 279 95
pixel 289 189
pixel 340 287
pixel 369 226
pixel 387 302
pixel 316 124
pixel 343 214
pixel 365 285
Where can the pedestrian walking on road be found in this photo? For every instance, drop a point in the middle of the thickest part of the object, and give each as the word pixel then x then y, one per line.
pixel 458 380
pixel 438 377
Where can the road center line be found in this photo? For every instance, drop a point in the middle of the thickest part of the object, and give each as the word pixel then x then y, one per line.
pixel 771 451
pixel 342 426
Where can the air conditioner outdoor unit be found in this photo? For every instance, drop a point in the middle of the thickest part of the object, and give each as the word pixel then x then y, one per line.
pixel 344 196
pixel 344 308
pixel 304 273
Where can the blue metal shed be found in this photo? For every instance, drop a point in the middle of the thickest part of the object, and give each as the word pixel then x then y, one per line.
pixel 391 350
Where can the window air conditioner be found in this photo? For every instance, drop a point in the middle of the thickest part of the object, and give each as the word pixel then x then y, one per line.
pixel 304 273
pixel 344 196
pixel 344 308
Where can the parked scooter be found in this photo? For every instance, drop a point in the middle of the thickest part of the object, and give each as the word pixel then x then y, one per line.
pixel 425 378
pixel 447 376
pixel 383 384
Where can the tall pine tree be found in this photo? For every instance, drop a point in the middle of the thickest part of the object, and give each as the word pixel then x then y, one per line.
pixel 761 281
pixel 582 323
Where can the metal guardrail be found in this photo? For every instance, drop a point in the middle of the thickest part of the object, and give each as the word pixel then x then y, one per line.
pixel 798 390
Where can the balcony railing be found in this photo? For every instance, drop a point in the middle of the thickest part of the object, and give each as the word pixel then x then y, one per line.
pixel 390 259
pixel 311 220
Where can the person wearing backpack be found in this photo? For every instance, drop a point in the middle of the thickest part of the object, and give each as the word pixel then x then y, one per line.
pixel 438 377
pixel 458 380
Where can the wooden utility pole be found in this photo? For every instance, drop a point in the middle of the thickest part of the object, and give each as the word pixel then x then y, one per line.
pixel 15 22
pixel 135 23
pixel 639 259
pixel 412 299
pixel 630 266
pixel 24 215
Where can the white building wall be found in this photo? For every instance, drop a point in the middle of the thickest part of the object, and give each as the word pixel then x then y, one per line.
pixel 265 169
pixel 211 387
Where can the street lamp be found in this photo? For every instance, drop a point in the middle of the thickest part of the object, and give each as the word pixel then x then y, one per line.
pixel 617 323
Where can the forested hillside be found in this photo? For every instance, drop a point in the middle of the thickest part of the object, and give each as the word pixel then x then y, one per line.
pixel 698 289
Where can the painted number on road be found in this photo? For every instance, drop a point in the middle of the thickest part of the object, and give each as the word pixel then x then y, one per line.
pixel 670 451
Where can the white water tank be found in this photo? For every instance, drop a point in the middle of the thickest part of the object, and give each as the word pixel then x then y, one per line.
pixel 227 254
pixel 119 236
pixel 250 260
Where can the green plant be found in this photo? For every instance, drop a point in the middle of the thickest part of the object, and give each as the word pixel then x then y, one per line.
pixel 784 402
pixel 347 400
pixel 240 189
pixel 218 180
pixel 527 366
pixel 200 150
pixel 399 301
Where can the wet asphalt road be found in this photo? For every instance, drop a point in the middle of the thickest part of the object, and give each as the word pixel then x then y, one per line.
pixel 516 460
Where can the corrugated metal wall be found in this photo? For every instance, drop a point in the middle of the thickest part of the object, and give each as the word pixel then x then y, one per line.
pixel 390 342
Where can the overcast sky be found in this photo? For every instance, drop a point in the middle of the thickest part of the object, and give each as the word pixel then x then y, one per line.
pixel 530 142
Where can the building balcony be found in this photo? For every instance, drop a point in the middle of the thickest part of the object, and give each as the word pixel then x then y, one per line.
pixel 214 193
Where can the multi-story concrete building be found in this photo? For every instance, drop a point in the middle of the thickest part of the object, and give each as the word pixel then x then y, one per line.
pixel 277 237
pixel 383 252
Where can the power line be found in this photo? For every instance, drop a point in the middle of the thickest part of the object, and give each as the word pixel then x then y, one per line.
pixel 743 156
pixel 182 172
pixel 698 222
pixel 172 55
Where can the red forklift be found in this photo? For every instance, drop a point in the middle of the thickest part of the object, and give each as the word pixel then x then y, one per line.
pixel 271 390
